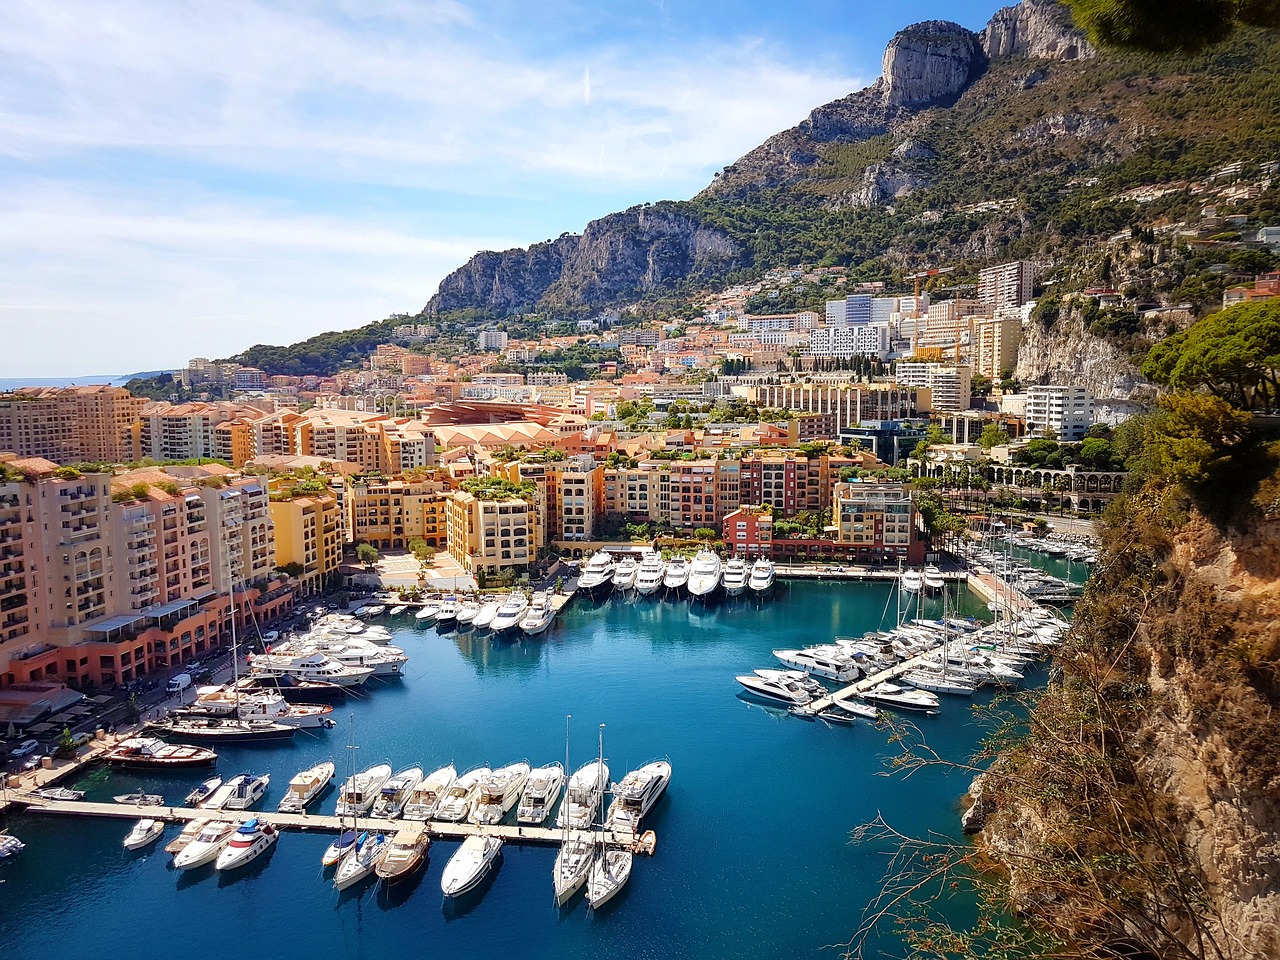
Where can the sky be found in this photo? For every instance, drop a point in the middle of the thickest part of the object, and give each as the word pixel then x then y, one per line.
pixel 183 179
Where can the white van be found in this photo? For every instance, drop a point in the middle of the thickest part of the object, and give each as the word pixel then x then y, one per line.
pixel 179 683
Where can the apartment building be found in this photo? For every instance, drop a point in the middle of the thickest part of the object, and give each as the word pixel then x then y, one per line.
pixel 491 341
pixel 104 418
pixel 748 532
pixel 1064 410
pixel 70 424
pixel 852 403
pixel 38 426
pixel 687 493
pixel 789 481
pixel 865 340
pixel 630 492
pixel 1006 286
pixel 949 385
pixel 309 533
pixel 996 342
pixel 392 513
pixel 578 501
pixel 877 522
pixel 491 535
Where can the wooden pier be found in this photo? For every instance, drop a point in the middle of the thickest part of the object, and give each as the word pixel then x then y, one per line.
pixel 859 687
pixel 437 829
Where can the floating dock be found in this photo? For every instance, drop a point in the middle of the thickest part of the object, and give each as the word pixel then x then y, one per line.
pixel 859 687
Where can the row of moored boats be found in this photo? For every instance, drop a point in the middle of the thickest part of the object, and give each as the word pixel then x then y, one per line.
pixel 702 577
pixel 515 612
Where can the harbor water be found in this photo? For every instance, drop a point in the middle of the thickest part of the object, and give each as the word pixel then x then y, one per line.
pixel 753 850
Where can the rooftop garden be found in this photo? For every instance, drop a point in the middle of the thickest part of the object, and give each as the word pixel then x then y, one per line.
pixel 496 488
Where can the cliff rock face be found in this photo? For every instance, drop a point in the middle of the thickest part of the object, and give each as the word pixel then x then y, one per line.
pixel 1035 28
pixel 929 63
pixel 1065 352
pixel 622 255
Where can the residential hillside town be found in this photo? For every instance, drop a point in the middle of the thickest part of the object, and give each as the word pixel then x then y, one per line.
pixel 133 531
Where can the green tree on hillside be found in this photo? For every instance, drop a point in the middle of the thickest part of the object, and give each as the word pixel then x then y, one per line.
pixel 1170 25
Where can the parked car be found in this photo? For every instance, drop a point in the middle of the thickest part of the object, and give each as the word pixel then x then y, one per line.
pixel 24 748
pixel 80 739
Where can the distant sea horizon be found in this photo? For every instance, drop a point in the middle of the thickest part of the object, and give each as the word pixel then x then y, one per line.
pixel 97 379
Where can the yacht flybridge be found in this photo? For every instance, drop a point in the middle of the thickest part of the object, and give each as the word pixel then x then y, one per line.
pixel 597 575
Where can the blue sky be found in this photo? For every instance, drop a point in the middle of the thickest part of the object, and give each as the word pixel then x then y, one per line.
pixel 185 179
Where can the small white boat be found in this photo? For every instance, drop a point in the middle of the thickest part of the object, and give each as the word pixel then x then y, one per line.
pixel 499 792
pixel 933 579
pixel 677 575
pixel 650 573
pixel 635 794
pixel 10 846
pixel 240 792
pixel 541 791
pixel 201 794
pixel 361 860
pixel 205 848
pixel 762 576
pixel 305 787
pixel 425 797
pixel 609 874
pixel 775 688
pixel 339 848
pixel 573 863
pixel 144 833
pixel 912 581
pixel 539 615
pixel 395 793
pixel 510 613
pixel 251 840
pixel 362 790
pixel 736 574
pixel 140 799
pixel 704 574
pixel 597 575
pixel 484 616
pixel 469 864
pixel 376 610
pixel 582 798
pixel 428 611
pixel 625 573
pixel 456 802
pixel 449 608
pixel 468 609
pixel 398 609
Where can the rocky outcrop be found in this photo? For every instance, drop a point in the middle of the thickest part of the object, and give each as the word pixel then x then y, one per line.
pixel 882 183
pixel 1063 351
pixel 619 256
pixel 1035 28
pixel 930 63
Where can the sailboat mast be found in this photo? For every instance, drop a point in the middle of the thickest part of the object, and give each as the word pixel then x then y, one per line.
pixel 567 718
pixel 603 784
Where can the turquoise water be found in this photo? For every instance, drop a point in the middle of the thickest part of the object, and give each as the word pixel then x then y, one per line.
pixel 753 852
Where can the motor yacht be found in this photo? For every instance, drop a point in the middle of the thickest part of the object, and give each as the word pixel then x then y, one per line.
pixel 903 698
pixel 650 573
pixel 582 797
pixel 853 708
pixel 361 790
pixel 10 846
pixel 676 576
pixel 190 830
pixel 541 791
pixel 736 573
pixel 152 752
pixel 398 609
pixel 775 688
pixel 395 793
pixel 359 654
pixel 144 833
pixel 205 848
pixel 266 705
pixel 140 799
pixel 469 864
pixel 458 797
pixel 425 796
pixel 539 615
pixel 499 792
pixel 801 679
pixel 406 853
pixel 762 576
pixel 376 610
pixel 484 616
pixel 704 574
pixel 251 840
pixel 933 580
pixel 312 665
pixel 201 793
pixel 635 794
pixel 597 575
pixel 573 863
pixel 449 608
pixel 428 611
pixel 510 613
pixel 305 787
pixel 826 661
pixel 939 681
pixel 467 610
pixel 361 860
pixel 625 573
pixel 609 874
pixel 239 793
pixel 294 689
pixel 223 729
pixel 912 581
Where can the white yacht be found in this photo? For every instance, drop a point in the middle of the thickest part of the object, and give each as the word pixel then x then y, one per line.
pixel 510 613
pixel 541 791
pixel 425 797
pixel 539 615
pixel 635 794
pixel 484 616
pixel 376 610
pixel 227 701
pixel 395 793
pixel 704 573
pixel 775 688
pixel 904 698
pixel 468 609
pixel 305 787
pixel 597 575
pixel 939 681
pixel 469 864
pixel 650 573
pixel 242 792
pixel 398 609
pixel 762 576
pixel 609 874
pixel 449 608
pixel 676 576
pixel 826 661
pixel 625 573
pixel 359 793
pixel 199 795
pixel 583 796
pixel 353 652
pixel 499 792
pixel 933 580
pixel 205 848
pixel 458 797
pixel 801 679
pixel 190 831
pixel 361 860
pixel 736 574
pixel 573 863
pixel 429 610
pixel 308 666
pixel 911 580
pixel 252 839
pixel 144 833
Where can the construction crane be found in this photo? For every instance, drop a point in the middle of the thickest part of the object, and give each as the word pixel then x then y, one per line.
pixel 924 275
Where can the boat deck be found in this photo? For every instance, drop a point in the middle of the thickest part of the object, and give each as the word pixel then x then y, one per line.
pixel 437 829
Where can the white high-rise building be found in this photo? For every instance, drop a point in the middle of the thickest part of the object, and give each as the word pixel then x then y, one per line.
pixel 837 313
pixel 1007 285
pixel 1064 409
pixel 951 385
pixel 490 341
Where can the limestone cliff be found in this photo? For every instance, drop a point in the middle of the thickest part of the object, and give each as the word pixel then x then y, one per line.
pixel 1060 349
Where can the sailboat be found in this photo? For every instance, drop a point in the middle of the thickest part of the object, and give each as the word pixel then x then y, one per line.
pixel 346 837
pixel 573 861
pixel 612 866
pixel 362 856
